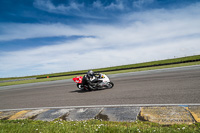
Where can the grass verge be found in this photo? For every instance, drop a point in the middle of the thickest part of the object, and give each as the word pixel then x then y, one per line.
pixel 92 126
pixel 112 72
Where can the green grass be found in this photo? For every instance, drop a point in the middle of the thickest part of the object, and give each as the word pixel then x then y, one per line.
pixel 154 68
pixel 11 78
pixel 112 72
pixel 92 126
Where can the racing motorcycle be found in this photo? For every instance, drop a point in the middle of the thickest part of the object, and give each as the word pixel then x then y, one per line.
pixel 103 83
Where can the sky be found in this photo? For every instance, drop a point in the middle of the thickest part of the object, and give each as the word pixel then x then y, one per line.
pixel 50 36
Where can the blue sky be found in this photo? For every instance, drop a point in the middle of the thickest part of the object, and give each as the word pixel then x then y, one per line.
pixel 49 36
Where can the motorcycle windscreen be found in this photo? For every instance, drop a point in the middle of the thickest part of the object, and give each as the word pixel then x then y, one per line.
pixel 78 79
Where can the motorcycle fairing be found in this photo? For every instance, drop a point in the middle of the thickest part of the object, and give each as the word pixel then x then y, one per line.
pixel 78 79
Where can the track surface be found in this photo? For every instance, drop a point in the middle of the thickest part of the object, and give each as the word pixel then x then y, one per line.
pixel 166 86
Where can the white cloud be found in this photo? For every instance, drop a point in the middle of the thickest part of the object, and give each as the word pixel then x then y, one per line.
pixel 47 5
pixel 23 31
pixel 146 36
pixel 141 3
pixel 78 9
pixel 97 4
pixel 118 5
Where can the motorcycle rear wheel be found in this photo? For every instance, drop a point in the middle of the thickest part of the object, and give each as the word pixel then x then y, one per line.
pixel 80 86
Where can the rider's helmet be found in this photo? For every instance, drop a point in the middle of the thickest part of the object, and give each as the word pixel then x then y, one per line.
pixel 90 73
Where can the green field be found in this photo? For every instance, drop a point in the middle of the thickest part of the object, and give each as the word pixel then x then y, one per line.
pixel 178 62
pixel 92 126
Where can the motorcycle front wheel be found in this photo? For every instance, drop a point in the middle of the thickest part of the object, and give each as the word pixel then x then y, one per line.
pixel 110 85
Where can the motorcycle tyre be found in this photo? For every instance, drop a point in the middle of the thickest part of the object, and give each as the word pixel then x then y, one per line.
pixel 88 88
pixel 112 84
pixel 80 86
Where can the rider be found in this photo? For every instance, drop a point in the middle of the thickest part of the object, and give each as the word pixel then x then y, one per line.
pixel 91 78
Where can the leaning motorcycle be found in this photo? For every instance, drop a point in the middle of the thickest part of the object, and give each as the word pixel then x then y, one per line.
pixel 103 83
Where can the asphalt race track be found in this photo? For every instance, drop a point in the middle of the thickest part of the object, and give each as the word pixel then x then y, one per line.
pixel 166 86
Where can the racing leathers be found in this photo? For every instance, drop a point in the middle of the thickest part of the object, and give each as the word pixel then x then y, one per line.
pixel 93 81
